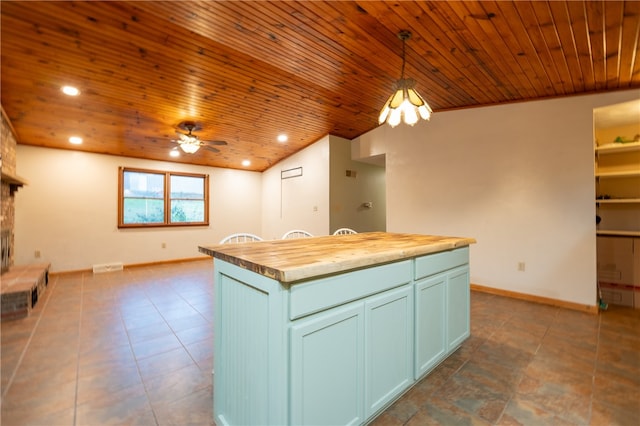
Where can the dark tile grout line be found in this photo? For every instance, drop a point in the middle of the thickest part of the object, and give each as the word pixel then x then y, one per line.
pixel 26 346
pixel 511 393
pixel 144 384
pixel 595 367
pixel 75 400
pixel 81 302
pixel 520 375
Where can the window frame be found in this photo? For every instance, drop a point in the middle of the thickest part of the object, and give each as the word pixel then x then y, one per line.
pixel 166 198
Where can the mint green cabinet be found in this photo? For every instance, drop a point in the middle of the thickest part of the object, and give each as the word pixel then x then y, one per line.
pixel 431 345
pixel 442 307
pixel 336 349
pixel 458 307
pixel 349 362
pixel 326 367
pixel 388 347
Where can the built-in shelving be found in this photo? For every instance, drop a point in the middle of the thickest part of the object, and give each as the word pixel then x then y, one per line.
pixel 604 232
pixel 617 178
pixel 618 174
pixel 614 148
pixel 617 187
pixel 618 201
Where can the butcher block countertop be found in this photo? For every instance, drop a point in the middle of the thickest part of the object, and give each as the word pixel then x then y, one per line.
pixel 299 259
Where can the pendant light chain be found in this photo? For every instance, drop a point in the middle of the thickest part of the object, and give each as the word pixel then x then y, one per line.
pixel 404 36
pixel 403 56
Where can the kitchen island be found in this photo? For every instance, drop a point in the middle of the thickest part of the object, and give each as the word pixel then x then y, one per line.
pixel 331 330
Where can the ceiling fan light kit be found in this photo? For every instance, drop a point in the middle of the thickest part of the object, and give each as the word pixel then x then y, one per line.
pixel 190 147
pixel 190 143
pixel 405 104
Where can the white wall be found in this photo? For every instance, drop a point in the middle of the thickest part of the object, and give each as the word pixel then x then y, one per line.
pixel 323 198
pixel 68 211
pixel 518 178
pixel 348 193
pixel 300 202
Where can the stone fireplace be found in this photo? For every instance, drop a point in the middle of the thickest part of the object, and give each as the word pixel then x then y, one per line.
pixel 21 286
pixel 10 183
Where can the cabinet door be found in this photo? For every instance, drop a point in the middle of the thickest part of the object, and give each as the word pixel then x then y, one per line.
pixel 430 343
pixel 458 305
pixel 327 369
pixel 388 346
pixel 615 259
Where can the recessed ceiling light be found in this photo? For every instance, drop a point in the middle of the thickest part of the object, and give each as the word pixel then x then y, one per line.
pixel 70 90
pixel 174 153
pixel 76 140
pixel 282 138
pixel 246 163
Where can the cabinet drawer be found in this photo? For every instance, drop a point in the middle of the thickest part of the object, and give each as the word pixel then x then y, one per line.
pixel 438 262
pixel 317 295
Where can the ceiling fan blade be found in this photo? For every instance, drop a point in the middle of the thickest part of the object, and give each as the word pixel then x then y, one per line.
pixel 215 142
pixel 210 148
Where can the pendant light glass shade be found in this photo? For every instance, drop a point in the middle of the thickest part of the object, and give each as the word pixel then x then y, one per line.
pixel 405 104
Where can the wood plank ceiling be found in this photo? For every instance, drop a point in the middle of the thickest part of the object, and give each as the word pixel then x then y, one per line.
pixel 250 70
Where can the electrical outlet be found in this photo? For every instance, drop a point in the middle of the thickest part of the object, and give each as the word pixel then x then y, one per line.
pixel 36 254
pixel 164 245
pixel 521 266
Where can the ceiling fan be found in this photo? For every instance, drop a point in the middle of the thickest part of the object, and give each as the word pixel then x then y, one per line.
pixel 191 143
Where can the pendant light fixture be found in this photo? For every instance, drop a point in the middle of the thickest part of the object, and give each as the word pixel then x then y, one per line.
pixel 405 104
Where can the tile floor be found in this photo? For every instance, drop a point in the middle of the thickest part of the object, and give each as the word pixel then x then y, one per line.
pixel 135 347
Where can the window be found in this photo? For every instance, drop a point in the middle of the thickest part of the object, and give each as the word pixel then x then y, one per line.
pixel 156 198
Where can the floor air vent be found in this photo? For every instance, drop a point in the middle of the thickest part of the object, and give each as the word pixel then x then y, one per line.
pixel 107 267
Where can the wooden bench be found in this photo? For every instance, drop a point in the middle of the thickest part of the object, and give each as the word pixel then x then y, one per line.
pixel 20 289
